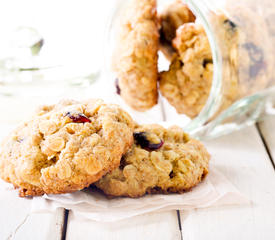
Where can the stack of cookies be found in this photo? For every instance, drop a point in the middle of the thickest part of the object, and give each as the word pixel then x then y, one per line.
pixel 186 85
pixel 68 146
pixel 143 32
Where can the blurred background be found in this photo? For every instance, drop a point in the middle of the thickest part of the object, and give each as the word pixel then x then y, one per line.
pixel 57 49
pixel 49 50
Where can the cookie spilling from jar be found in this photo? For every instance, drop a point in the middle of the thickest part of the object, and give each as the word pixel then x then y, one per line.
pixel 187 83
pixel 135 58
pixel 68 146
pixel 247 63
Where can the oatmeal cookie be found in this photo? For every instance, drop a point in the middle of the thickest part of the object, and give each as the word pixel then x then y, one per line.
pixel 161 161
pixel 228 37
pixel 251 58
pixel 65 147
pixel 248 14
pixel 268 11
pixel 187 83
pixel 247 59
pixel 171 18
pixel 135 58
pixel 246 55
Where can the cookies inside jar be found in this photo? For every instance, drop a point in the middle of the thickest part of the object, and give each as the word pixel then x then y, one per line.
pixel 193 57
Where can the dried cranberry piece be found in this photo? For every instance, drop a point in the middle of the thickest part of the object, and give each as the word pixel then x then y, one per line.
pixel 122 163
pixel 206 61
pixel 78 118
pixel 256 68
pixel 171 174
pixel 117 86
pixel 154 146
pixel 231 24
pixel 156 189
pixel 141 139
pixel 256 55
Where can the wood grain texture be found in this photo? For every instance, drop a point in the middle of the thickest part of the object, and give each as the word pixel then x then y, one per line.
pixel 16 221
pixel 242 158
pixel 267 128
pixel 160 226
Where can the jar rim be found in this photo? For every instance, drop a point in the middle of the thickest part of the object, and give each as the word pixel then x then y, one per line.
pixel 202 10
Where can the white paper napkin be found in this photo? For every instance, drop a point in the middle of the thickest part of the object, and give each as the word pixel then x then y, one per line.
pixel 215 190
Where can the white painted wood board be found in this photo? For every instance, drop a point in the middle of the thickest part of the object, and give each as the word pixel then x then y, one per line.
pixel 16 222
pixel 162 226
pixel 267 127
pixel 242 158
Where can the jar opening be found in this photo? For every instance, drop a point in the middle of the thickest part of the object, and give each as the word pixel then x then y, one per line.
pixel 202 11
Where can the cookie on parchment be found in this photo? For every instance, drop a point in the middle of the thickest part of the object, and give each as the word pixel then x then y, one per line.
pixel 65 147
pixel 161 161
pixel 136 55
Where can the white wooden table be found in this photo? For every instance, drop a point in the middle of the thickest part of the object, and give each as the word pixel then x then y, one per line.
pixel 246 158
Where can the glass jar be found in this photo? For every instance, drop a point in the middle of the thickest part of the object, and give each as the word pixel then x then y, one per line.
pixel 242 39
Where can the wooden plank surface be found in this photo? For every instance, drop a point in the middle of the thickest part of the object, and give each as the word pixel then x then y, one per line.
pixel 242 158
pixel 154 226
pixel 16 222
pixel 267 128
